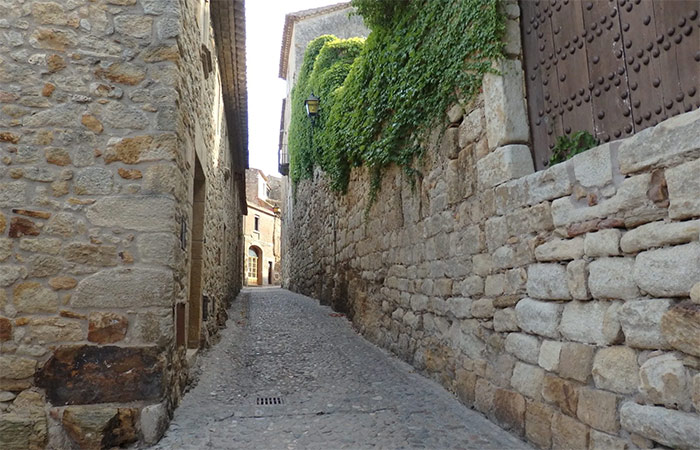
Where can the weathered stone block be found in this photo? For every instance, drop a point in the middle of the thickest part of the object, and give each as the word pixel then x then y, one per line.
pixel 641 322
pixel 576 361
pixel 10 274
pixel 125 288
pixel 84 253
pixel 696 392
pixel 659 234
pixel 509 409
pixel 16 367
pixel 22 432
pixel 694 291
pixel 561 392
pixel 484 393
pixel 663 380
pixel 504 164
pixel 593 168
pixel 603 441
pixel 668 141
pixel 547 281
pixel 471 127
pixel 577 279
pixel 153 422
pixel 568 433
pixel 683 186
pixel 106 327
pixel 672 428
pixel 483 308
pixel 93 181
pixel 659 273
pixel 616 369
pixel 504 100
pixel 680 327
pixel 598 409
pixel 12 194
pixel 591 322
pixel 539 317
pixel 465 385
pixel 603 243
pixel 54 329
pixel 612 278
pixel 32 297
pixel 538 423
pixel 528 380
pixel 560 250
pixel 98 427
pixel 548 358
pixel 140 213
pixel 523 346
pixel 505 320
pixel 124 374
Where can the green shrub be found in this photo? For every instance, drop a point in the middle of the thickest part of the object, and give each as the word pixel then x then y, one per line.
pixel 380 100
pixel 566 147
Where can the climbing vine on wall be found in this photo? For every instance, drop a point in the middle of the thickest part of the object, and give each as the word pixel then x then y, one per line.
pixel 379 100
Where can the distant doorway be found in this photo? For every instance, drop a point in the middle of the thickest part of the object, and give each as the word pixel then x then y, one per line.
pixel 195 299
pixel 254 266
pixel 269 272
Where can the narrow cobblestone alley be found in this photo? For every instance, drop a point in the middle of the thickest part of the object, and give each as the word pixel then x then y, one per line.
pixel 338 390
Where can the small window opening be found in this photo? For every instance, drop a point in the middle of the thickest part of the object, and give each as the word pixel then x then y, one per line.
pixel 257 223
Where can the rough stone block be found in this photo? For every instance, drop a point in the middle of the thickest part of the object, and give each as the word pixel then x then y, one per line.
pixel 641 322
pixel 602 243
pixel 504 164
pixel 31 297
pixel 505 320
pixel 528 380
pixel 549 184
pixel 140 213
pixel 598 409
pixel 671 428
pixel 683 186
pixel 153 422
pixel 124 374
pixel 504 100
pixel 577 279
pixel 125 288
pixel 668 141
pixel 593 322
pixel 483 308
pixel 106 327
pixel 603 441
pixel 13 194
pixel 696 392
pixel 538 317
pixel 538 423
pixel 547 281
pixel 471 128
pixel 593 168
pixel 560 250
pixel 484 394
pixel 663 380
pixel 680 327
pixel 561 392
pixel 548 358
pixel 523 346
pixel 93 181
pixel 611 278
pixel 616 369
pixel 96 427
pixel 659 234
pixel 659 273
pixel 509 410
pixel 465 385
pixel 576 361
pixel 16 367
pixel 568 433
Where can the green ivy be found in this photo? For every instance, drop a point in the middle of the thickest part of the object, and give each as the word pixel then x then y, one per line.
pixel 566 147
pixel 380 99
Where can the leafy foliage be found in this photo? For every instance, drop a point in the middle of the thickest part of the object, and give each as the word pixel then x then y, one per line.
pixel 379 100
pixel 566 147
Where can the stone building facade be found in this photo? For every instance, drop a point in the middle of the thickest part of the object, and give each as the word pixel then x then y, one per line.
pixel 123 148
pixel 563 304
pixel 262 229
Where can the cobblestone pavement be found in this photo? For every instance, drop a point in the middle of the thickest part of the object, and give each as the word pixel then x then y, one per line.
pixel 338 390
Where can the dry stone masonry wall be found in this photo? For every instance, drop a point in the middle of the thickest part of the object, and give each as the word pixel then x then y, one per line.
pixel 103 105
pixel 563 304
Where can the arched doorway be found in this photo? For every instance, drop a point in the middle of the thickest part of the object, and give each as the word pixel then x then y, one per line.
pixel 254 266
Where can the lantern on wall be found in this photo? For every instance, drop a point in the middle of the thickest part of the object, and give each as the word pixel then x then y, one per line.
pixel 312 105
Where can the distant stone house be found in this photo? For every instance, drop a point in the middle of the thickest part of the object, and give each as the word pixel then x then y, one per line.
pixel 261 229
pixel 123 149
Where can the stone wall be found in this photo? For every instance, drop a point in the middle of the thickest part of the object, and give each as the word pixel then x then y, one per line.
pixel 103 106
pixel 562 304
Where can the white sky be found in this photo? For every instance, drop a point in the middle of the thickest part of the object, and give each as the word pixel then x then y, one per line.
pixel 264 24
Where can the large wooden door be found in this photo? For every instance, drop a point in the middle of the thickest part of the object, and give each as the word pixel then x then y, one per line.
pixel 611 67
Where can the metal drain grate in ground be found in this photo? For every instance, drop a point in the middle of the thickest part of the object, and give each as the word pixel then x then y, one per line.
pixel 269 401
